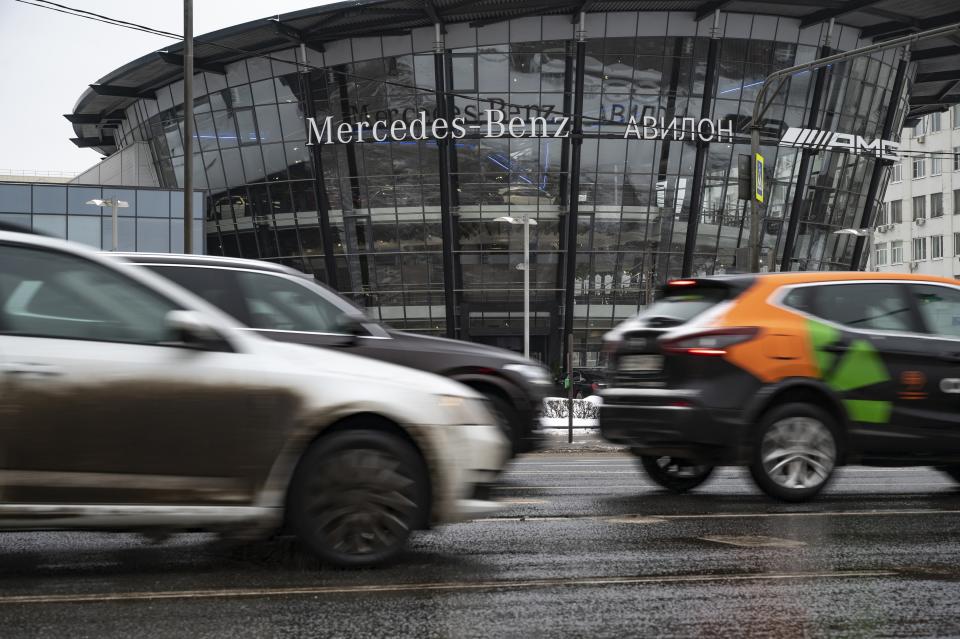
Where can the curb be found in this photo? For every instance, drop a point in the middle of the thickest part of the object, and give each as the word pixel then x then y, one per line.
pixel 585 440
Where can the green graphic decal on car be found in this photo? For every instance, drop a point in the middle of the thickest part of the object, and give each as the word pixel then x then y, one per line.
pixel 859 367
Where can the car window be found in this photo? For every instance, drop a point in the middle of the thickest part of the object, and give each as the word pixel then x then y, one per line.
pixel 939 307
pixel 277 303
pixel 50 294
pixel 877 306
pixel 215 285
pixel 680 305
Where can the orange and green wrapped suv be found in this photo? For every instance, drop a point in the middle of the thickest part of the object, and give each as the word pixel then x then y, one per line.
pixel 789 374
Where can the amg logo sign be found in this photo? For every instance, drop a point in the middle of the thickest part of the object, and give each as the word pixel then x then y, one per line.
pixel 833 141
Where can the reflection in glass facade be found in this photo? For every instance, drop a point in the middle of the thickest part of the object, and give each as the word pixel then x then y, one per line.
pixel 153 222
pixel 269 194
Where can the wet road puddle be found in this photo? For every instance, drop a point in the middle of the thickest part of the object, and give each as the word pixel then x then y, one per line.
pixel 754 541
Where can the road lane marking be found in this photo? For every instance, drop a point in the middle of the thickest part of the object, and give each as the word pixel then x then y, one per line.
pixel 635 519
pixel 234 593
pixel 754 541
pixel 521 501
pixel 830 513
pixel 605 487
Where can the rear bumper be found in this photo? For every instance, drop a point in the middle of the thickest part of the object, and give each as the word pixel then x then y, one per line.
pixel 670 422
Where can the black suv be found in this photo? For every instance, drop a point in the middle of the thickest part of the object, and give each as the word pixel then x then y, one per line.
pixel 286 305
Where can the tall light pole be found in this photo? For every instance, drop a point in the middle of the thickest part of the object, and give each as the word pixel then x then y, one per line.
pixel 114 204
pixel 525 267
pixel 866 233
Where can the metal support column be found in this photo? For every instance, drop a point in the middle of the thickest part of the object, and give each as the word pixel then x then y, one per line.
pixel 570 260
pixel 866 218
pixel 703 149
pixel 319 186
pixel 356 262
pixel 806 156
pixel 446 212
pixel 188 126
pixel 565 143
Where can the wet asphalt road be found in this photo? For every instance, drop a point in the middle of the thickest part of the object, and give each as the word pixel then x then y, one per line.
pixel 586 547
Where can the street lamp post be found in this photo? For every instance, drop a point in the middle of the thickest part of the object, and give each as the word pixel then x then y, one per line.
pixel 525 267
pixel 865 233
pixel 114 204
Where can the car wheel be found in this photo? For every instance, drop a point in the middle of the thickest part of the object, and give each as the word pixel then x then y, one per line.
pixel 674 474
pixel 952 471
pixel 795 452
pixel 356 496
pixel 506 417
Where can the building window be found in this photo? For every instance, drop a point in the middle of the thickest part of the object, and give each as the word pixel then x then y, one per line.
pixel 880 258
pixel 956 158
pixel 955 109
pixel 934 122
pixel 936 205
pixel 956 201
pixel 920 207
pixel 896 252
pixel 920 128
pixel 896 211
pixel 919 249
pixel 882 216
pixel 956 243
pixel 896 173
pixel 919 168
pixel 935 166
pixel 936 247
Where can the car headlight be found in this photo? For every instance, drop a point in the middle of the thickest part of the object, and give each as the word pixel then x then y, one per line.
pixel 464 410
pixel 531 372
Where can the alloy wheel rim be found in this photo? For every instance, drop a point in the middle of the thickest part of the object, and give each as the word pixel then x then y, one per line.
pixel 680 468
pixel 361 503
pixel 798 453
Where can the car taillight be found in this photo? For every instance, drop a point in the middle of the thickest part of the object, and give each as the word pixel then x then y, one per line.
pixel 594 386
pixel 713 342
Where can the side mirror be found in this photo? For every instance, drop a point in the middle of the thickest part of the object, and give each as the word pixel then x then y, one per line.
pixel 194 330
pixel 351 325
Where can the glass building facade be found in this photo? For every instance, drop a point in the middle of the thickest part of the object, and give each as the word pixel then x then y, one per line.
pixel 153 221
pixel 369 218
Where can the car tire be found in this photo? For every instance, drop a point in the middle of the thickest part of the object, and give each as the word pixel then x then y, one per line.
pixel 795 452
pixel 506 416
pixel 676 475
pixel 356 495
pixel 952 471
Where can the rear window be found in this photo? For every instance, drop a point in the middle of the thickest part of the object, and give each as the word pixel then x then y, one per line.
pixel 681 304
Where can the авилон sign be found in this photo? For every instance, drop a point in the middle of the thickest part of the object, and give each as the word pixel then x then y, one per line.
pixel 496 124
pixel 818 140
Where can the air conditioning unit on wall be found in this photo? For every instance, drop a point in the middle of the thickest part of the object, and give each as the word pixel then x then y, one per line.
pixel 914 266
pixel 920 221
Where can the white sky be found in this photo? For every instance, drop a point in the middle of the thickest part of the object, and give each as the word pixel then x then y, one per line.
pixel 47 59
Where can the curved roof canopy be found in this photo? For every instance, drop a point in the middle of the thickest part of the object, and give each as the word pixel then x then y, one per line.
pixel 100 108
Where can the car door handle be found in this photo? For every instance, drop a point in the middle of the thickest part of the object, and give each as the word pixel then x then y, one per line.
pixel 30 369
pixel 836 348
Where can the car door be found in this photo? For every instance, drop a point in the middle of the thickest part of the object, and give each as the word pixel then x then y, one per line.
pixel 868 355
pixel 103 404
pixel 938 364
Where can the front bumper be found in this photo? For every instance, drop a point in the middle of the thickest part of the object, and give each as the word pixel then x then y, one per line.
pixel 476 457
pixel 670 422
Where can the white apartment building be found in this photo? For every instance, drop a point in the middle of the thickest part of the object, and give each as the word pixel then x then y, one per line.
pixel 918 229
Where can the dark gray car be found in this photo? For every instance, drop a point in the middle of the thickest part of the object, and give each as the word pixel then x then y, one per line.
pixel 290 306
